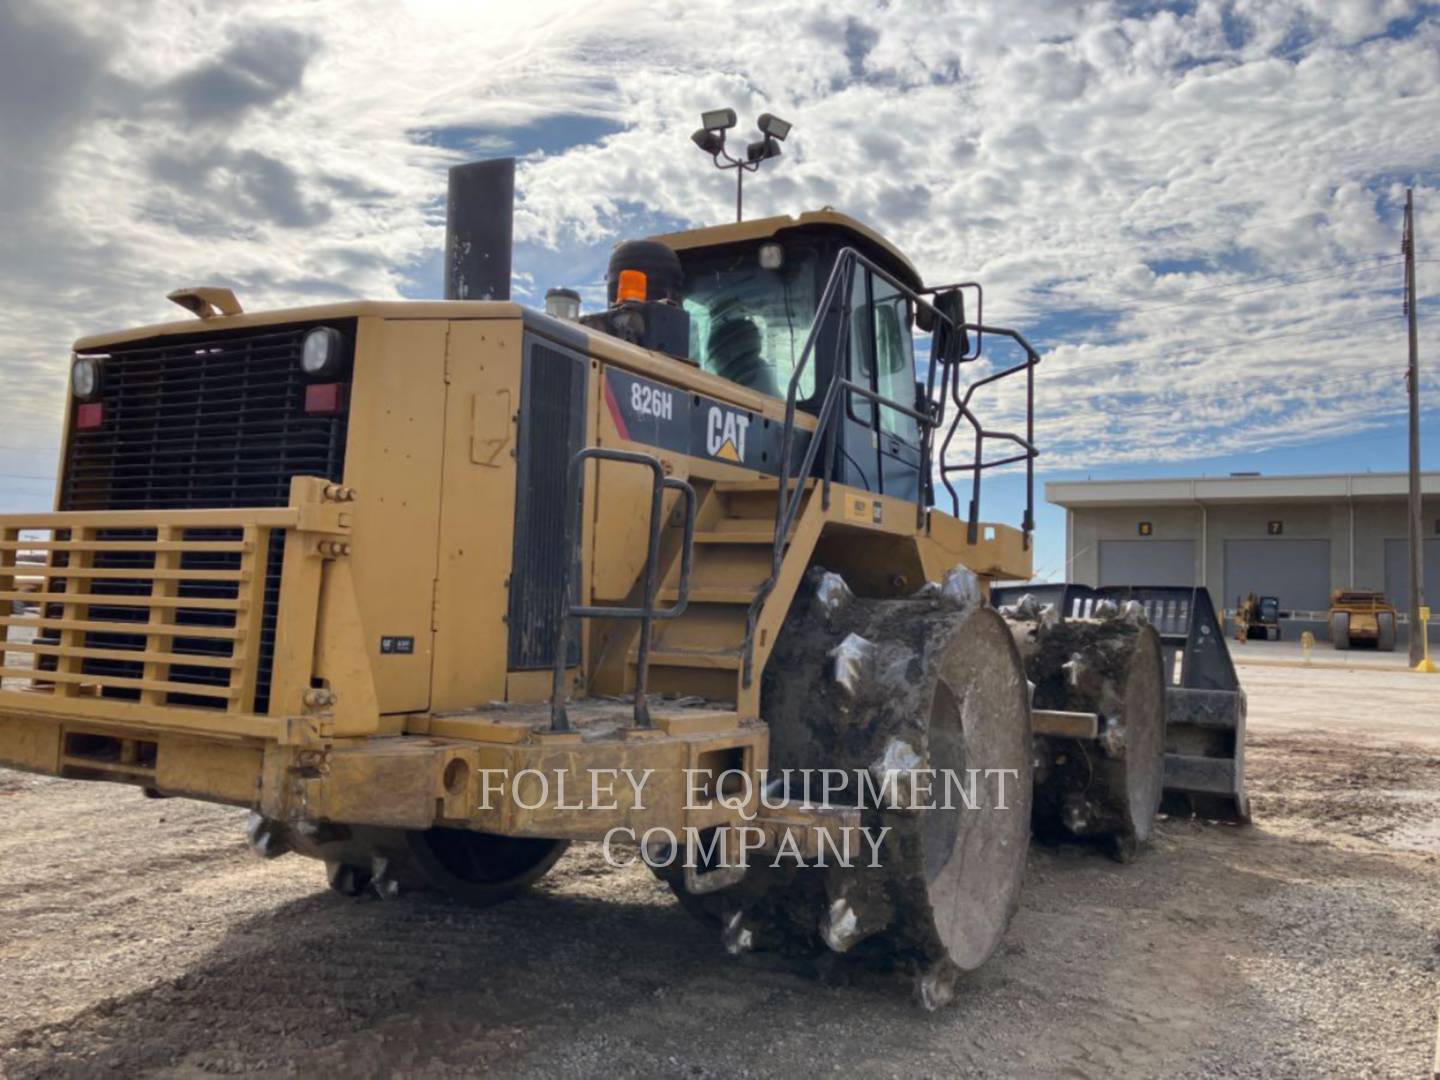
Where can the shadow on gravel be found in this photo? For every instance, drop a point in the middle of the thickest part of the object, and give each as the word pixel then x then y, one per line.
pixel 434 979
pixel 1108 969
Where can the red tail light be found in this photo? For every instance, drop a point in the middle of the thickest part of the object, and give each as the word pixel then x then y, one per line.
pixel 90 415
pixel 325 399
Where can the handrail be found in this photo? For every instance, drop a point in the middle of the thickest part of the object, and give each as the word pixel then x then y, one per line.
pixel 646 612
pixel 979 464
pixel 928 420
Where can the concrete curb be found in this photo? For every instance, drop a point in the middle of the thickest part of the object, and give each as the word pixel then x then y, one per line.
pixel 1326 665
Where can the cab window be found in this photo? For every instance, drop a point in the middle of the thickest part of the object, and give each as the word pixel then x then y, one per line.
pixel 748 324
pixel 882 352
pixel 895 358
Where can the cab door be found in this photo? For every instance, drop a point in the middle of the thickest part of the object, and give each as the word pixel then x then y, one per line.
pixel 881 444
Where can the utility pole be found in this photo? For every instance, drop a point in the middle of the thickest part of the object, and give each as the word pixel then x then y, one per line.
pixel 1412 378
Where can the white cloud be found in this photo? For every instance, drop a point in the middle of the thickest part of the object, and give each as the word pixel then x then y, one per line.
pixel 1078 158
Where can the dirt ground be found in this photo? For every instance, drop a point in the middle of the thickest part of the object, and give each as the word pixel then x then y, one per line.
pixel 141 937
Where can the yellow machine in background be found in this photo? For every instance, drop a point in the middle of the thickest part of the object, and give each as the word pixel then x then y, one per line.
pixel 1361 615
pixel 330 564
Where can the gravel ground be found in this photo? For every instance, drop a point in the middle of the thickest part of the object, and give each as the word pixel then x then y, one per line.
pixel 139 937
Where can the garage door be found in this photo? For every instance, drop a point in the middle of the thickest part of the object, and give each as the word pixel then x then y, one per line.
pixel 1296 571
pixel 1397 572
pixel 1147 562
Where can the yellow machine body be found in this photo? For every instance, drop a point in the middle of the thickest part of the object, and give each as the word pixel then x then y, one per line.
pixel 1362 615
pixel 360 658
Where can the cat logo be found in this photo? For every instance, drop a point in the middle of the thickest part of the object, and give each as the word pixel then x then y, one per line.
pixel 725 434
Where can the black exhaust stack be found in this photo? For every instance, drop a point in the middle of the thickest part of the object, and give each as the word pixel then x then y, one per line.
pixel 479 223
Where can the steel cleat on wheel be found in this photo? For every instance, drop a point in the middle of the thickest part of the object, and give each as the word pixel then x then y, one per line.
pixel 383 879
pixel 267 837
pixel 347 880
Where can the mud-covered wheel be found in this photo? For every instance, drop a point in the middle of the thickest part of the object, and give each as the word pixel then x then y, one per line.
pixel 1139 775
pixel 480 869
pixel 974 860
pixel 924 686
pixel 1107 790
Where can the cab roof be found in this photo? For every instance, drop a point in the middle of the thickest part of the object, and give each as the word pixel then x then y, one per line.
pixel 851 231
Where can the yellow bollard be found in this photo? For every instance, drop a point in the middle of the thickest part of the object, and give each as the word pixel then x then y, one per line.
pixel 1426 665
pixel 1307 642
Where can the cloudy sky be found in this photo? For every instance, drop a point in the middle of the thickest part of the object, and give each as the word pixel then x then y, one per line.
pixel 1193 207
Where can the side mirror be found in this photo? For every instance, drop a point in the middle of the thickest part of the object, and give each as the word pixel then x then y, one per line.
pixel 950 342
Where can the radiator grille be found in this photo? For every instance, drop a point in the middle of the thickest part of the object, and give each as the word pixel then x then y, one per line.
pixel 552 430
pixel 204 422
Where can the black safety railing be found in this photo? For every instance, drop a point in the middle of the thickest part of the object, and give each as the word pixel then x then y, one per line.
pixel 929 417
pixel 646 613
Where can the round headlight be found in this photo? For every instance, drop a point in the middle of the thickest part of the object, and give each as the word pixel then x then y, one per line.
pixel 321 352
pixel 85 379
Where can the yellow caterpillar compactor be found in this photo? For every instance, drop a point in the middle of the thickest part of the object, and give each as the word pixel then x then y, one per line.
pixel 436 588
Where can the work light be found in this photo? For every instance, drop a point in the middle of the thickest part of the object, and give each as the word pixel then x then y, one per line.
pixel 85 379
pixel 708 141
pixel 762 150
pixel 711 139
pixel 718 119
pixel 773 126
pixel 320 354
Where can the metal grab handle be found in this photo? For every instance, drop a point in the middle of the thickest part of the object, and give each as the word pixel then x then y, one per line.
pixel 1026 443
pixel 646 612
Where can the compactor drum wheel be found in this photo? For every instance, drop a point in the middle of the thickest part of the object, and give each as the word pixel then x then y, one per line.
pixel 1108 788
pixel 928 688
pixel 471 867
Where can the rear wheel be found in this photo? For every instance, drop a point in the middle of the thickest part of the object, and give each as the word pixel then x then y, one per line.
pixel 478 868
pixel 1385 631
pixel 1340 629
pixel 472 867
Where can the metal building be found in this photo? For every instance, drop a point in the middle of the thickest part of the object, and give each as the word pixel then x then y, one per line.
pixel 1293 537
